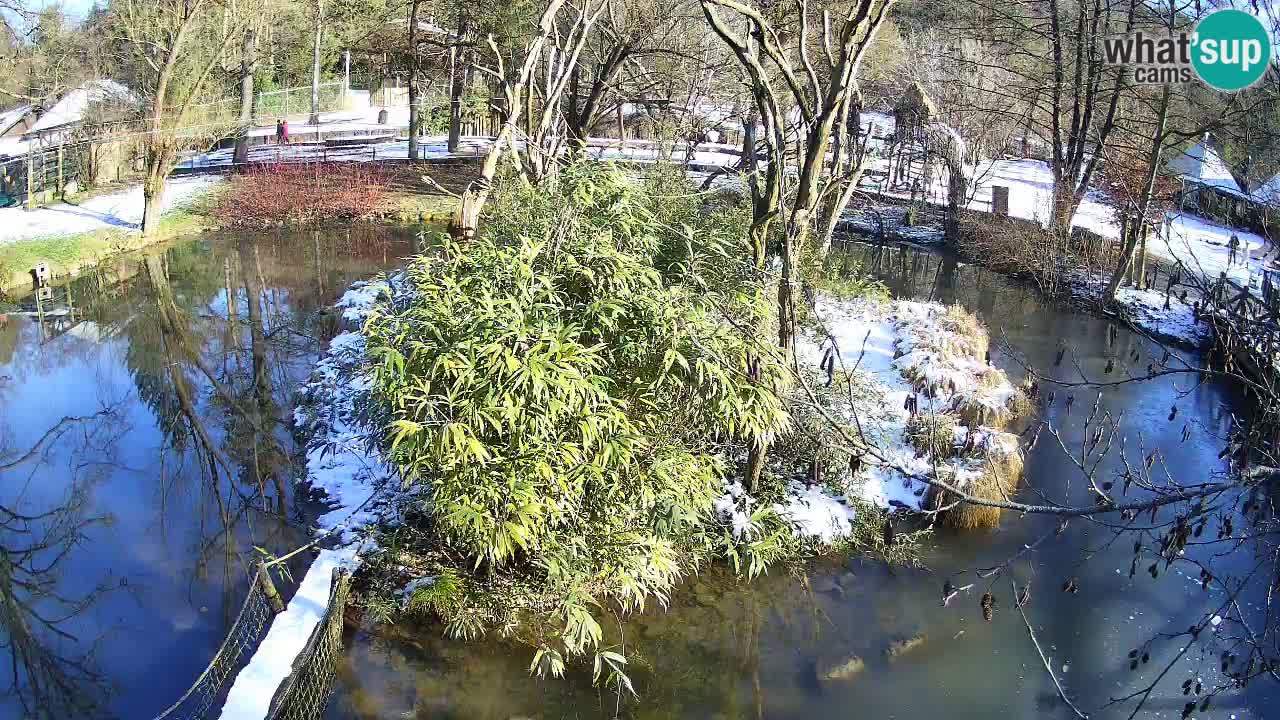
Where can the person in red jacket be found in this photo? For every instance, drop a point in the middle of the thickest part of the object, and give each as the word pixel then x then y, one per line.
pixel 284 131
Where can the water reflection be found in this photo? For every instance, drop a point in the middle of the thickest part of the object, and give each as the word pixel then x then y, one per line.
pixel 732 650
pixel 139 517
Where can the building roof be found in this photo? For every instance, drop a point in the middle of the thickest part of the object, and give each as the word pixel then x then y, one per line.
pixel 1201 164
pixel 71 107
pixel 9 118
pixel 1269 191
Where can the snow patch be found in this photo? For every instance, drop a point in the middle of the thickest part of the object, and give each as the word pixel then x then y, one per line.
pixel 885 343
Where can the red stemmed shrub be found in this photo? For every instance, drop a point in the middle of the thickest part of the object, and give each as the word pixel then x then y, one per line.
pixel 304 194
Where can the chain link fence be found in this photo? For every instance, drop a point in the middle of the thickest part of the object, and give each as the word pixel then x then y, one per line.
pixel 271 105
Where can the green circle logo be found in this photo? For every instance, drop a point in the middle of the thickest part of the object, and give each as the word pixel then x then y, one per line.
pixel 1231 49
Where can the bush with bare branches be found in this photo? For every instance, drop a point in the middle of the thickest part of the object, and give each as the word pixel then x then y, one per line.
pixel 269 195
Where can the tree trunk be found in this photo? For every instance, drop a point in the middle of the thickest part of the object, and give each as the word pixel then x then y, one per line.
pixel 415 113
pixel 248 64
pixel 1144 206
pixel 457 86
pixel 477 192
pixel 314 120
pixel 153 196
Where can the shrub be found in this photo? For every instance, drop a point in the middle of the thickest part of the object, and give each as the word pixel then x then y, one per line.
pixel 565 386
pixel 1023 247
pixel 302 194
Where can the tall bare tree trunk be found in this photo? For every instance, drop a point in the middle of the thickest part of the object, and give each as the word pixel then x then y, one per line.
pixel 458 76
pixel 415 114
pixel 248 64
pixel 1136 225
pixel 315 68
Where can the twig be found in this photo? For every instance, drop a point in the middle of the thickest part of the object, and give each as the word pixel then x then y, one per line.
pixel 1047 667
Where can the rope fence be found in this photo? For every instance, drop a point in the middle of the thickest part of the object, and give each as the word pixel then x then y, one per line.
pixel 305 692
pixel 247 630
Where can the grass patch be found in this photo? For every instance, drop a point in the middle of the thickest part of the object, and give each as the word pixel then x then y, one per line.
pixel 68 254
pixel 933 433
pixel 997 479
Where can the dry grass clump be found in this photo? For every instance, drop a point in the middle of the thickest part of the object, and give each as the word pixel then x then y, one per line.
pixel 1023 247
pixel 934 433
pixel 969 328
pixel 997 480
pixel 976 411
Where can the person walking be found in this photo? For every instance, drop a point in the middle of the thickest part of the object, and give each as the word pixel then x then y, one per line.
pixel 1233 247
pixel 279 130
pixel 284 131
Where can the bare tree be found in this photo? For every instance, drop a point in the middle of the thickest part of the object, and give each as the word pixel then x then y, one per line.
pixel 514 80
pixel 314 119
pixel 248 66
pixel 174 47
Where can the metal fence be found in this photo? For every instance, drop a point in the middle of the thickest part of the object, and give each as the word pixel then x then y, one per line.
pixel 301 696
pixel 271 105
pixel 27 177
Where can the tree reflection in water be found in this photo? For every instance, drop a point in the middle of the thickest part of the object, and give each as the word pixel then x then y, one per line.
pixel 52 671
pixel 180 366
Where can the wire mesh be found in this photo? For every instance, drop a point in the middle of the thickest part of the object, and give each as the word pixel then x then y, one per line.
pixel 305 693
pixel 245 633
pixel 51 169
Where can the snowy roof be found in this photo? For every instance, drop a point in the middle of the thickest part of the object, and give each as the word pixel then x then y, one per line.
pixel 1269 191
pixel 71 107
pixel 9 118
pixel 1202 164
pixel 13 147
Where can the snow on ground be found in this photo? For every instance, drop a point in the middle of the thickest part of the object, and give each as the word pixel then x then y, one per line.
pixel 886 343
pixel 889 222
pixel 435 147
pixel 1146 310
pixel 1204 247
pixel 343 464
pixel 120 210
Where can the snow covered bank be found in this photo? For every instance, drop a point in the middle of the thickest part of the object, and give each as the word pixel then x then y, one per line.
pixel 904 366
pixel 1163 317
pixel 120 210
pixel 343 463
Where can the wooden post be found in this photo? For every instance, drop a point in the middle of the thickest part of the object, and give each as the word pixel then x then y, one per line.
pixel 31 171
pixel 60 186
pixel 622 127
pixel 269 588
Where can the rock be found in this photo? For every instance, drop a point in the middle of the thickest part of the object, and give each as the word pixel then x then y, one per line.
pixel 899 647
pixel 840 669
pixel 848 580
pixel 825 584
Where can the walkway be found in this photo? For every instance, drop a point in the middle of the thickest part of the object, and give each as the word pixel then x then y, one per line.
pixel 120 210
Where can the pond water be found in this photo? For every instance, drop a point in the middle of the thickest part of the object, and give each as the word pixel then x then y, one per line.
pixel 145 452
pixel 727 649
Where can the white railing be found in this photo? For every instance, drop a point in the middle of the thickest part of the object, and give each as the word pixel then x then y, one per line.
pixel 275 104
